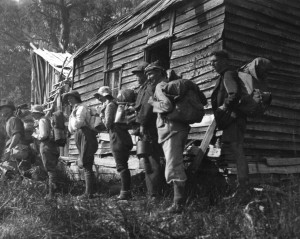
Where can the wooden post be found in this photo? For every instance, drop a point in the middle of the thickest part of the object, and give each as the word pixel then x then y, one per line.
pixel 203 147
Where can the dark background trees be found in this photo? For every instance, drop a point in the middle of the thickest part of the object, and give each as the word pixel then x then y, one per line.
pixel 56 25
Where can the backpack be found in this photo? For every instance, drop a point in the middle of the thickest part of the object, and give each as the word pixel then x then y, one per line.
pixel 58 130
pixel 23 113
pixel 93 119
pixel 187 99
pixel 255 99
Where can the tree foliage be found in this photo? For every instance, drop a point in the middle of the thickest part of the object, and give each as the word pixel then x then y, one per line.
pixel 56 25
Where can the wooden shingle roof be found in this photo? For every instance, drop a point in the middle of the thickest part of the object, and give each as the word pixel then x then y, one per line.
pixel 140 15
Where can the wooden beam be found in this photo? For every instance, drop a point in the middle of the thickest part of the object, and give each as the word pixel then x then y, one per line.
pixel 203 147
pixel 261 168
pixel 105 63
pixel 272 161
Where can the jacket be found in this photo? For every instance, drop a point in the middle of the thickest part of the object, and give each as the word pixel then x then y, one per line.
pixel 225 98
pixel 162 104
pixel 145 115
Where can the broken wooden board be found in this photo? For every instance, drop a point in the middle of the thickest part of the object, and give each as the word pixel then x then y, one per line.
pixel 272 161
pixel 260 168
pixel 104 168
pixel 203 147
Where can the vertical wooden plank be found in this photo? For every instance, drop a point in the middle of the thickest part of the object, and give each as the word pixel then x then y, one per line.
pixel 105 64
pixel 120 77
pixel 172 22
pixel 171 30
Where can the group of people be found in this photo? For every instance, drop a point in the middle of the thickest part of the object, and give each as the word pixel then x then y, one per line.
pixel 167 137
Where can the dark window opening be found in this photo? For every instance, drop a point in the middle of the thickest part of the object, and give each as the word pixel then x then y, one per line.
pixel 159 52
pixel 113 81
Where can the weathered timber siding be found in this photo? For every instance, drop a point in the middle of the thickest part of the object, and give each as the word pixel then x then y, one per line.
pixel 247 29
pixel 269 29
pixel 127 52
pixel 198 30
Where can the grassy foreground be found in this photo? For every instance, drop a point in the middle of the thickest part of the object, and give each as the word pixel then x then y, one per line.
pixel 270 212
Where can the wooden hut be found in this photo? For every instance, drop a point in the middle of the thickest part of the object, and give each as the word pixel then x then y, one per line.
pixel 181 34
pixel 48 70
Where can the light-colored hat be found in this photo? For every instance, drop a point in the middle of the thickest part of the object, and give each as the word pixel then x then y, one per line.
pixel 104 91
pixel 71 93
pixel 7 103
pixel 37 109
pixel 154 66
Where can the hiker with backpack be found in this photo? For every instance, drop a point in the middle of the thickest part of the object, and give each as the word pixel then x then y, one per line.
pixel 172 136
pixel 85 139
pixel 147 132
pixel 48 148
pixel 16 156
pixel 225 101
pixel 120 140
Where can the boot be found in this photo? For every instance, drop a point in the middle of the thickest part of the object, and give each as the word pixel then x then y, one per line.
pixel 179 197
pixel 125 193
pixel 154 179
pixel 88 194
pixel 52 185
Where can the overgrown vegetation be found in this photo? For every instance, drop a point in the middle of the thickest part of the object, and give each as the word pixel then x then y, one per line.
pixel 269 212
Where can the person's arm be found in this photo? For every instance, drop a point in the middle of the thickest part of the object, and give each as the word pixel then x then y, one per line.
pixel 110 113
pixel 14 141
pixel 17 129
pixel 232 88
pixel 162 103
pixel 81 114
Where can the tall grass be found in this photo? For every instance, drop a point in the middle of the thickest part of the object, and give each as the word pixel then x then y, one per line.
pixel 273 212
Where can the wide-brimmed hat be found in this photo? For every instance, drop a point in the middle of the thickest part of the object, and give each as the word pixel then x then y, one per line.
pixel 140 68
pixel 154 66
pixel 104 91
pixel 7 103
pixel 71 93
pixel 37 109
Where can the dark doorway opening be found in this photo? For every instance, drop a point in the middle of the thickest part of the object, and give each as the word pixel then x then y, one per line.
pixel 159 52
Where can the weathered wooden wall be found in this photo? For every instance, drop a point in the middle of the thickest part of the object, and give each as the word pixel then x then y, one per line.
pixel 247 29
pixel 269 29
pixel 195 28
pixel 198 31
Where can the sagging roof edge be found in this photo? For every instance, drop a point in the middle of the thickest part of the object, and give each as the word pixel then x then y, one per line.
pixel 144 12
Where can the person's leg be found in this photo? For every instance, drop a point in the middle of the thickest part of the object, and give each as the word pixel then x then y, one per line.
pixel 121 159
pixel 233 138
pixel 52 183
pixel 49 154
pixel 86 147
pixel 88 177
pixel 174 172
pixel 241 164
pixel 173 150
pixel 154 178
